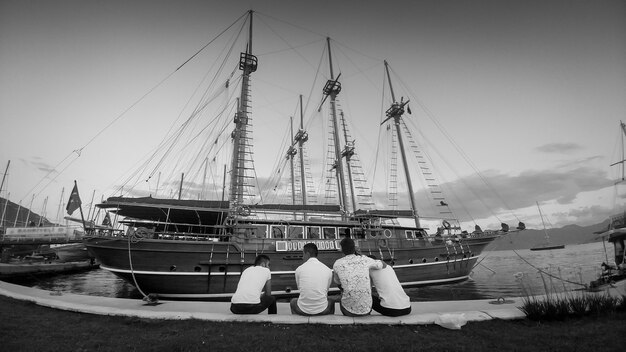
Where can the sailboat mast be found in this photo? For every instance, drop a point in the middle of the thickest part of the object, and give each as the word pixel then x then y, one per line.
pixel 332 89
pixel 302 137
pixel 4 210
pixel 290 154
pixel 623 126
pixel 395 111
pixel 348 152
pixel 543 223
pixel 6 171
pixel 623 156
pixel 248 64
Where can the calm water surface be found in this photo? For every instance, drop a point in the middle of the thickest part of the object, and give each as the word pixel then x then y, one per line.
pixel 499 274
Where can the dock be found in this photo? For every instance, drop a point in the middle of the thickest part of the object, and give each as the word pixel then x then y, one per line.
pixel 16 269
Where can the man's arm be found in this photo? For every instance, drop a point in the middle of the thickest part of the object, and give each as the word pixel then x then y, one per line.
pixel 377 264
pixel 268 287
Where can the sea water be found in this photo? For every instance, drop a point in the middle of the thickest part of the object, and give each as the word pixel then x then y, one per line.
pixel 509 273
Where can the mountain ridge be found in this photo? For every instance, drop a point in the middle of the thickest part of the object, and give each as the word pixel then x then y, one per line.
pixel 567 235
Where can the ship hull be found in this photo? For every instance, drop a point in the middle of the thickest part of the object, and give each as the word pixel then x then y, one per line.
pixel 211 270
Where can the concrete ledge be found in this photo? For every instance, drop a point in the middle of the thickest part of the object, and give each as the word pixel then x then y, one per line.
pixel 422 312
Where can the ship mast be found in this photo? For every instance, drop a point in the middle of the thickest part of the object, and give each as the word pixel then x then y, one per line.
pixel 395 112
pixel 348 152
pixel 332 89
pixel 543 223
pixel 248 64
pixel 302 137
pixel 623 126
pixel 290 154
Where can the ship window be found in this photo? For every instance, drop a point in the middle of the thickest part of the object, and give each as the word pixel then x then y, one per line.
pixel 278 231
pixel 313 232
pixel 329 232
pixel 256 231
pixel 409 234
pixel 344 232
pixel 295 232
pixel 358 233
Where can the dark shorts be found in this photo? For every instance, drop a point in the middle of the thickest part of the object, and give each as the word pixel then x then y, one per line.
pixel 390 312
pixel 330 309
pixel 267 302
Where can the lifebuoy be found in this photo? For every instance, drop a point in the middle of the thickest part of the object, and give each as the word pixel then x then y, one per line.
pixel 382 243
pixel 141 232
pixel 446 225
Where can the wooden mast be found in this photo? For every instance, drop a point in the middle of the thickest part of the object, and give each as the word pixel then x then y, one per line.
pixel 332 89
pixel 395 112
pixel 6 171
pixel 302 137
pixel 290 154
pixel 6 203
pixel 348 152
pixel 248 64
pixel 623 126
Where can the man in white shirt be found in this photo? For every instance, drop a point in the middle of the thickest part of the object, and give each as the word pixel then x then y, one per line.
pixel 313 279
pixel 391 301
pixel 254 280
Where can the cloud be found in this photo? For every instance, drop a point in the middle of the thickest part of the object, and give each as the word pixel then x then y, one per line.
pixel 495 193
pixel 559 148
pixel 587 160
pixel 585 215
pixel 39 164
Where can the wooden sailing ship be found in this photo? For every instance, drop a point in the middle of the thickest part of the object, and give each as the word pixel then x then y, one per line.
pixel 184 248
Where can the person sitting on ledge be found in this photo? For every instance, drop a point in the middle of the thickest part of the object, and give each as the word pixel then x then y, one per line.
pixel 254 280
pixel 313 279
pixel 352 274
pixel 391 300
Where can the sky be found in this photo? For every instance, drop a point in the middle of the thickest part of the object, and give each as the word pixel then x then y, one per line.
pixel 532 92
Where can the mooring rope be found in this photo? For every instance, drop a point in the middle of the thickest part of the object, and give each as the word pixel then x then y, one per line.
pixel 135 239
pixel 547 273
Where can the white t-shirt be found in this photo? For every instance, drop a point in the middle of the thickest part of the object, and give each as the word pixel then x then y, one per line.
pixel 251 285
pixel 313 278
pixel 389 290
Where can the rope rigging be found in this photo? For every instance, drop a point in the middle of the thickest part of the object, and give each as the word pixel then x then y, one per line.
pixel 433 118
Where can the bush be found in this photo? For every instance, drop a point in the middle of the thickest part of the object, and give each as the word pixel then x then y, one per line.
pixel 578 306
pixel 561 308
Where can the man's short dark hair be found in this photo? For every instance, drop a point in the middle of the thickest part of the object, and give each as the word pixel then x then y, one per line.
pixel 347 246
pixel 260 259
pixel 310 248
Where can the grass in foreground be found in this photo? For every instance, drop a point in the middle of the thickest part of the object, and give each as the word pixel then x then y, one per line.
pixel 25 326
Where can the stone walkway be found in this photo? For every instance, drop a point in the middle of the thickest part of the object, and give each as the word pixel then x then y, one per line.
pixel 451 314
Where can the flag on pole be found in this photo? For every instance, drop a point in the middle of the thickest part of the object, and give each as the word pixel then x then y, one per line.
pixel 74 202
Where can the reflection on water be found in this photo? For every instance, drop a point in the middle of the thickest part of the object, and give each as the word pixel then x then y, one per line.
pixel 97 282
pixel 498 274
pixel 517 273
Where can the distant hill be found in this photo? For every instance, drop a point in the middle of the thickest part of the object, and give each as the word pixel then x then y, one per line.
pixel 570 234
pixel 16 215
